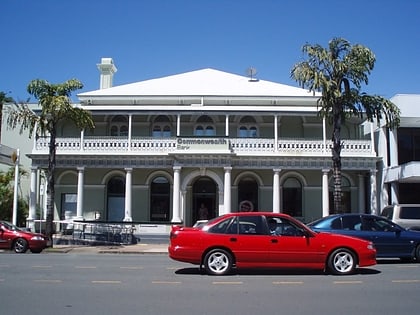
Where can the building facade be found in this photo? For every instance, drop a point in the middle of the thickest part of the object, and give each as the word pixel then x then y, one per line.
pixel 399 149
pixel 199 144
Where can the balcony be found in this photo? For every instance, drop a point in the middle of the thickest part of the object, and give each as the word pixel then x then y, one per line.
pixel 208 145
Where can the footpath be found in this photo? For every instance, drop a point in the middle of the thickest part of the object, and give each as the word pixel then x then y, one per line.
pixel 140 248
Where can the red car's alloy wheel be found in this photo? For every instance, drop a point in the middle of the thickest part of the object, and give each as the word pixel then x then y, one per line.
pixel 218 262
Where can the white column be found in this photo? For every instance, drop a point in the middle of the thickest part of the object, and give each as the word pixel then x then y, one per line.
pixel 362 195
pixel 373 193
pixel 80 184
pixel 394 193
pixel 393 148
pixel 276 190
pixel 228 190
pixel 227 125
pixel 325 193
pixel 128 189
pixel 32 199
pixel 176 195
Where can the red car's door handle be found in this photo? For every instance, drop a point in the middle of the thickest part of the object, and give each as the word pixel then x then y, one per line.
pixel 233 239
pixel 274 240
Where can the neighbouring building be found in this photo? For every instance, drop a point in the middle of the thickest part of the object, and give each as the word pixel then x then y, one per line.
pixel 399 149
pixel 164 148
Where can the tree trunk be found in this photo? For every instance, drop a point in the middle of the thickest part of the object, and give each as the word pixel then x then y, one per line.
pixel 49 228
pixel 336 158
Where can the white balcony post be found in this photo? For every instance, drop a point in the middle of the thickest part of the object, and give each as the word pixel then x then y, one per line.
pixel 276 191
pixel 324 135
pixel 178 125
pixel 227 126
pixel 130 126
pixel 276 135
pixel 393 147
pixel 82 139
pixel 128 195
pixel 176 195
pixel 325 193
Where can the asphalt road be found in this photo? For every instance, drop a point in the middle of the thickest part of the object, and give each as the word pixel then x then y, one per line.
pixel 54 283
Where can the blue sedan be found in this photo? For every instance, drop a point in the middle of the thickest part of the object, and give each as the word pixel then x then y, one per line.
pixel 390 240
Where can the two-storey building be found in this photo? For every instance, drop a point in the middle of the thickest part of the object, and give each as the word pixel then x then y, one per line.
pixel 164 148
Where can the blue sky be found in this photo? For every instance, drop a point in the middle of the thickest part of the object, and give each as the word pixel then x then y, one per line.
pixel 58 40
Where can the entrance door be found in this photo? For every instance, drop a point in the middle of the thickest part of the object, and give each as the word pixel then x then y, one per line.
pixel 204 199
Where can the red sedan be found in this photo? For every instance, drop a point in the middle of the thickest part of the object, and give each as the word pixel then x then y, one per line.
pixel 266 240
pixel 19 240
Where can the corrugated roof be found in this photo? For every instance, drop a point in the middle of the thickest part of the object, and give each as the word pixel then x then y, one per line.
pixel 204 82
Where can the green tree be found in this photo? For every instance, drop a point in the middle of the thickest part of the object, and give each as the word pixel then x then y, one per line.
pixel 7 196
pixel 55 103
pixel 3 100
pixel 338 73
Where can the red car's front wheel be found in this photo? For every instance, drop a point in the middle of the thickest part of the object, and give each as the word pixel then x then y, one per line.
pixel 342 262
pixel 218 262
pixel 20 245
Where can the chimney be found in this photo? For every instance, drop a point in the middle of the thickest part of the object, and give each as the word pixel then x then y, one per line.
pixel 107 69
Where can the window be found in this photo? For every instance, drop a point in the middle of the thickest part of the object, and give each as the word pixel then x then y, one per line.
pixel 408 145
pixel 119 126
pixel 116 198
pixel 159 199
pixel 247 127
pixel 161 127
pixel 205 127
pixel 68 206
pixel 292 197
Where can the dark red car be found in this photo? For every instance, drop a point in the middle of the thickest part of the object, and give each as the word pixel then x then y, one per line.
pixel 266 240
pixel 20 240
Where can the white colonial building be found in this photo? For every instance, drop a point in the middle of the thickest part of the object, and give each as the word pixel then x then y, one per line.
pixel 165 147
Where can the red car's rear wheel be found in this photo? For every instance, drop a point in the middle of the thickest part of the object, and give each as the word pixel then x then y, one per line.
pixel 218 262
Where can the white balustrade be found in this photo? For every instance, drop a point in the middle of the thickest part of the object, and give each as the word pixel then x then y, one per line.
pixel 285 147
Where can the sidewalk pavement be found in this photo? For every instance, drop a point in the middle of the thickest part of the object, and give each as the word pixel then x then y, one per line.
pixel 140 248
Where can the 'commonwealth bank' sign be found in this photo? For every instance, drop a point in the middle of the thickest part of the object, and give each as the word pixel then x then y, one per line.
pixel 202 144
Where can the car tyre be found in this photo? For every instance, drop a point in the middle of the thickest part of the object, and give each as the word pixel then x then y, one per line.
pixel 417 254
pixel 342 262
pixel 20 245
pixel 218 262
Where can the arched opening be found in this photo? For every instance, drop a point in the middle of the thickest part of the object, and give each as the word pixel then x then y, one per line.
pixel 248 194
pixel 159 199
pixel 204 199
pixel 292 197
pixel 115 199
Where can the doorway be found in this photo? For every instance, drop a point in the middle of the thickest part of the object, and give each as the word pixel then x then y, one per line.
pixel 204 199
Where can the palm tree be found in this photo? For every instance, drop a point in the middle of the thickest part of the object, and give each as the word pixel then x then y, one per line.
pixel 3 100
pixel 56 107
pixel 338 72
